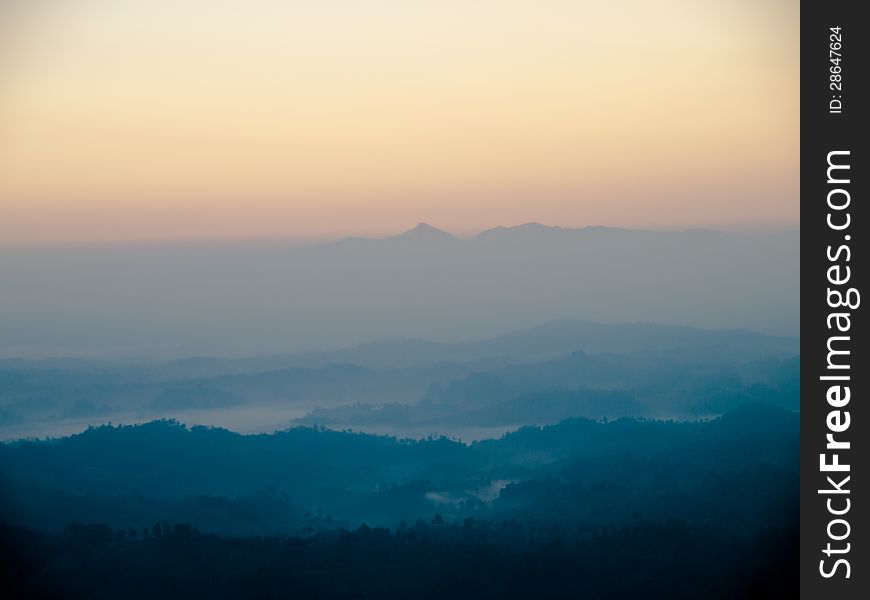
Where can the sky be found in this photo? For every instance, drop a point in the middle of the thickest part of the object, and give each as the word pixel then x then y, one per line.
pixel 191 119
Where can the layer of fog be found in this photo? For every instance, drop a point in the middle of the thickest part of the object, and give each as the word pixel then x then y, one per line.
pixel 173 300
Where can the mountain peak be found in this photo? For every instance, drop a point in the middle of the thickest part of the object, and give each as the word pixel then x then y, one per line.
pixel 424 231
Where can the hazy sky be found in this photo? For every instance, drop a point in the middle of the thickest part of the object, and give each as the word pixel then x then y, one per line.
pixel 141 119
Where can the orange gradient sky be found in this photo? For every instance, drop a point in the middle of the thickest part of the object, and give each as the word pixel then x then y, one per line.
pixel 135 120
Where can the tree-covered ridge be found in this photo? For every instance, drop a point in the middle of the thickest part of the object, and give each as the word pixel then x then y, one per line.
pixel 314 477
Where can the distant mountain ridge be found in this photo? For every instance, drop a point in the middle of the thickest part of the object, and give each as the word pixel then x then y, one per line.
pixel 547 340
pixel 559 337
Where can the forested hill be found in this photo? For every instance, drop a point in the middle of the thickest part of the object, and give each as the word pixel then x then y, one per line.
pixel 581 509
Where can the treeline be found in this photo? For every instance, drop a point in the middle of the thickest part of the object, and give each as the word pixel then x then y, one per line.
pixel 426 559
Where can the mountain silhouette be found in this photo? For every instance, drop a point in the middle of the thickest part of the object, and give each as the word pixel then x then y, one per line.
pixel 425 232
